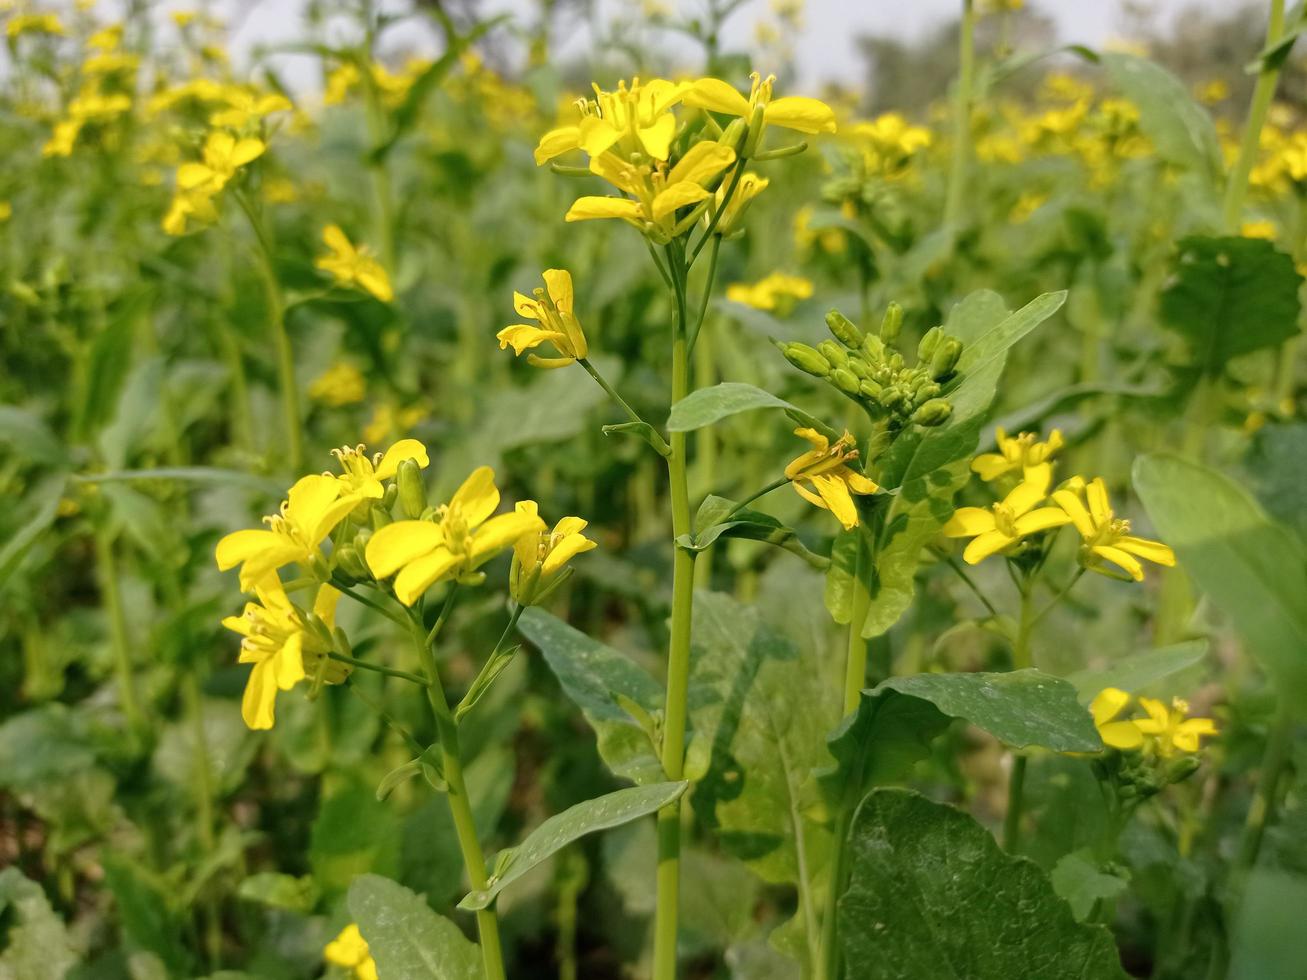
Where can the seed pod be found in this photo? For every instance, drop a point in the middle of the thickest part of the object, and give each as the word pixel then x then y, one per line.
pixel 1181 769
pixel 834 353
pixel 926 349
pixel 756 126
pixel 412 491
pixel 844 329
pixel 945 358
pixel 806 359
pixel 892 323
pixel 934 412
pixel 845 380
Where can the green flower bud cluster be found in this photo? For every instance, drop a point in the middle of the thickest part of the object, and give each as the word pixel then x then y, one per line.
pixel 870 369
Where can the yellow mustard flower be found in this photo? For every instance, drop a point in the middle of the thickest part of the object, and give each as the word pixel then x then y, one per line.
pixel 21 24
pixel 823 477
pixel 462 538
pixel 388 420
pixel 187 206
pixel 351 266
pixel 362 474
pixel 1016 516
pixel 795 112
pixel 1107 704
pixel 552 309
pixel 106 38
pixel 277 640
pixel 88 106
pixel 1172 728
pixel 633 120
pixel 224 155
pixel 6 211
pixel 1107 537
pixel 245 107
pixel 1259 229
pixel 338 83
pixel 750 186
pixel 1213 91
pixel 655 194
pixel 312 509
pixel 350 950
pixel 540 556
pixel 777 291
pixel 1023 452
pixel 341 384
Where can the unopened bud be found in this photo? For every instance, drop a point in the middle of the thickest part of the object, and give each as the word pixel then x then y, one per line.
pixel 892 323
pixel 834 353
pixel 926 349
pixel 858 366
pixel 874 348
pixel 870 389
pixel 927 390
pixel 733 133
pixel 945 358
pixel 806 359
pixel 844 329
pixel 934 412
pixel 380 518
pixel 756 126
pixel 845 380
pixel 412 491
pixel 389 496
pixel 349 561
pixel 1178 770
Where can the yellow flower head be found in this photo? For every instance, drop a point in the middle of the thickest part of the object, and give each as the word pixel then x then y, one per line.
pixel 462 538
pixel 1023 452
pixel 777 291
pixel 350 950
pixel 996 528
pixel 352 266
pixel 21 24
pixel 341 384
pixel 631 121
pixel 889 141
pixel 552 309
pixel 313 508
pixel 106 39
pixel 823 477
pixel 279 640
pixel 540 556
pixel 245 107
pixel 1107 537
pixel 224 155
pixel 1171 727
pixel 363 474
pixel 749 187
pixel 339 81
pixel 188 206
pixel 795 112
pixel 1107 704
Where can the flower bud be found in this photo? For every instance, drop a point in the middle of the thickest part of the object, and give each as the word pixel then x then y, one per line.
pixel 389 496
pixel 926 348
pixel 806 359
pixel 858 366
pixel 733 133
pixel 834 353
pixel 756 127
pixel 874 348
pixel 844 329
pixel 892 323
pixel 945 358
pixel 926 391
pixel 895 362
pixel 380 518
pixel 412 490
pixel 1181 769
pixel 870 389
pixel 351 563
pixel 934 412
pixel 845 380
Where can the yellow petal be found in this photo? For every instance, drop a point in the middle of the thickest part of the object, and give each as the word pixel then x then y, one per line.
pixel 556 142
pixel 836 494
pixel 1107 704
pixel 239 546
pixel 501 532
pixel 396 454
pixel 801 114
pixel 558 283
pixel 596 135
pixel 677 196
pixel 192 175
pixel 717 96
pixel 1121 735
pixel 335 239
pixel 259 699
pixel 1118 557
pixel 324 605
pixel 478 497
pixel 990 466
pixel 591 208
pixel 1040 520
pixel 1158 717
pixel 373 278
pixel 316 507
pixel 1099 508
pixel 563 552
pixel 246 150
pixel 967 522
pixel 1153 551
pixel 1070 503
pixel 858 483
pixel 702 162
pixel 288 662
pixel 421 574
pixel 1024 496
pixel 985 545
pixel 397 544
pixel 657 139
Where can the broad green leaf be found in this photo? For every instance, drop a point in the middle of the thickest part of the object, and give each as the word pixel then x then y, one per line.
pixel 108 362
pixel 352 834
pixel 406 938
pixel 709 405
pixel 1181 129
pixel 588 817
pixel 931 894
pixel 1230 296
pixel 40 508
pixel 37 943
pixel 1079 880
pixel 1276 53
pixel 29 437
pixel 44 746
pixel 1253 570
pixel 1139 671
pixel 1276 471
pixel 592 674
pixel 840 575
pixel 280 891
pixel 143 909
pixel 746 523
pixel 1267 940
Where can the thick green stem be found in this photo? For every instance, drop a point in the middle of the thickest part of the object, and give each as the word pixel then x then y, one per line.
pixel 460 807
pixel 1236 188
pixel 855 664
pixel 1021 660
pixel 113 606
pixel 1278 742
pixel 963 98
pixel 678 654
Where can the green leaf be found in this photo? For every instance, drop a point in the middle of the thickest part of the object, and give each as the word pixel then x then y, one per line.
pixel 1230 296
pixel 931 894
pixel 1254 570
pixel 588 817
pixel 108 362
pixel 280 891
pixel 41 505
pixel 641 430
pixel 1079 880
pixel 1267 940
pixel 708 405
pixel 29 436
pixel 745 523
pixel 43 746
pixel 591 674
pixel 840 576
pixel 37 943
pixel 353 833
pixel 1139 671
pixel 1276 53
pixel 406 938
pixel 1180 129
pixel 148 921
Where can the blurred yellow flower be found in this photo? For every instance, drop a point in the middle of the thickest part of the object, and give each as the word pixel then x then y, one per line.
pixel 823 477
pixel 1107 537
pixel 21 24
pixel 186 205
pixel 6 211
pixel 1259 229
pixel 352 266
pixel 1016 516
pixel 774 292
pixel 362 474
pixel 1107 704
pixel 350 950
pixel 1213 91
pixel 341 384
pixel 339 81
pixel 1171 727
pixel 460 540
pixel 277 640
pixel 245 107
pixel 224 155
pixel 388 421
pixel 552 309
pixel 1022 452
pixel 540 556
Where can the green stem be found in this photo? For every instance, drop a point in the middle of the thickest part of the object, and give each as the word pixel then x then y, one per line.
pixel 1278 742
pixel 416 747
pixel 1021 660
pixel 204 815
pixel 370 603
pixel 970 582
pixel 957 182
pixel 717 216
pixel 377 668
pixel 1062 593
pixel 1236 188
pixel 631 413
pixel 707 291
pixel 113 605
pixel 460 807
pixel 855 664
pixel 678 656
